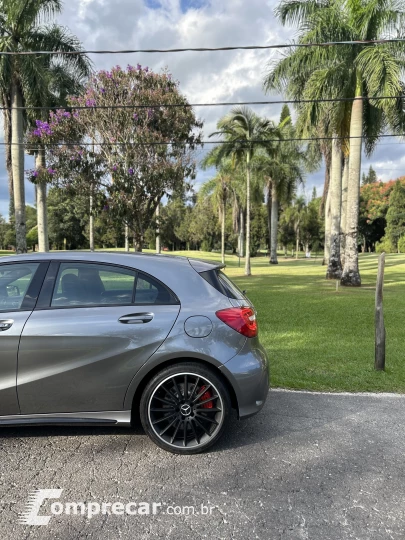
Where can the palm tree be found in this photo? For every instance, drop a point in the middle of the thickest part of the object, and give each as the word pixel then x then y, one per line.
pixel 63 80
pixel 358 72
pixel 244 133
pixel 283 171
pixel 218 189
pixel 298 212
pixel 23 79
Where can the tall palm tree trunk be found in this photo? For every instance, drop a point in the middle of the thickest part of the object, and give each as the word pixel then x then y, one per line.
pixel 274 225
pixel 126 238
pixel 17 160
pixel 7 142
pixel 351 274
pixel 297 244
pixel 158 244
pixel 91 224
pixel 343 215
pixel 334 270
pixel 248 271
pixel 328 225
pixel 42 217
pixel 268 205
pixel 242 233
pixel 223 232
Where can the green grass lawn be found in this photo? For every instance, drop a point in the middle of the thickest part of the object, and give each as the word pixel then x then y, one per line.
pixel 318 338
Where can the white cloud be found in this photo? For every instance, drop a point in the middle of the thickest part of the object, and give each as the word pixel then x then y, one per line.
pixel 204 77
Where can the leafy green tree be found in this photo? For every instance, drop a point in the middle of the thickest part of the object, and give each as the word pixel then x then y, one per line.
pixel 245 133
pixel 173 232
pixel 24 79
pixel 3 231
pixel 401 244
pixel 311 227
pixel 355 71
pixel 32 238
pixel 286 233
pixel 204 228
pixel 370 178
pixel 396 214
pixel 259 230
pixel 67 219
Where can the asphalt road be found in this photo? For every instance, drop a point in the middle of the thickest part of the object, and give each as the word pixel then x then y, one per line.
pixel 309 466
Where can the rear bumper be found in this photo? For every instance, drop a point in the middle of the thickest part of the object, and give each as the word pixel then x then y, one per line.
pixel 248 372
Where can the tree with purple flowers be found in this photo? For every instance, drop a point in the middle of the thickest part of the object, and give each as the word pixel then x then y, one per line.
pixel 135 153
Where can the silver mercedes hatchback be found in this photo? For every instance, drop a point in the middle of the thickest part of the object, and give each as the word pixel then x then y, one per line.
pixel 106 338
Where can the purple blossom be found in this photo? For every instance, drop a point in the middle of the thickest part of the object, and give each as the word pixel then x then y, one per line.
pixel 146 69
pixel 131 171
pixel 135 116
pixel 138 67
pixel 90 102
pixel 115 168
pixel 102 90
pixel 51 171
pixel 130 68
pixel 66 114
pixel 150 113
pixel 35 174
pixel 43 128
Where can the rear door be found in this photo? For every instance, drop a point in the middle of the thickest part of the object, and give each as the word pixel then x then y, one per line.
pixel 19 288
pixel 95 325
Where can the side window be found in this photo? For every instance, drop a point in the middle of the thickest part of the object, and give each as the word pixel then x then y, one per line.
pixel 150 291
pixel 14 282
pixel 81 284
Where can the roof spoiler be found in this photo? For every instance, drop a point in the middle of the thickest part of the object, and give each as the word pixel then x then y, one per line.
pixel 204 266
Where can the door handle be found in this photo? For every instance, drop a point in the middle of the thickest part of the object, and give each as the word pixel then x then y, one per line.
pixel 6 324
pixel 136 318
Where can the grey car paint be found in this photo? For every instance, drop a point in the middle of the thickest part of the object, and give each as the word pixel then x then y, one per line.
pixel 9 340
pixel 83 360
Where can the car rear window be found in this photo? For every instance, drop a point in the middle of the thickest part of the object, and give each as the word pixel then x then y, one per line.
pixel 223 284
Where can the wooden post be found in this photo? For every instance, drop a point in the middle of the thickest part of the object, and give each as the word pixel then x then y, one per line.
pixel 379 317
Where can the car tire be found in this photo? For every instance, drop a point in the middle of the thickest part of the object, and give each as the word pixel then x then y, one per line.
pixel 184 408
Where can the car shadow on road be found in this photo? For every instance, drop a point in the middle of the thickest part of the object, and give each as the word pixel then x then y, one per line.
pixel 284 414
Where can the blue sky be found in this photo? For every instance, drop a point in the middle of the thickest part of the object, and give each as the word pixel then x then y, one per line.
pixel 204 77
pixel 185 5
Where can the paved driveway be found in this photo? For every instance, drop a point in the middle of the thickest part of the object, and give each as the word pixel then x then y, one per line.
pixel 310 466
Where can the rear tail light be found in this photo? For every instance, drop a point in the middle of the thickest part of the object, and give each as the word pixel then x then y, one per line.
pixel 242 319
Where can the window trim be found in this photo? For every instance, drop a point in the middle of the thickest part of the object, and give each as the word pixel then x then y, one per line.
pixel 34 288
pixel 45 298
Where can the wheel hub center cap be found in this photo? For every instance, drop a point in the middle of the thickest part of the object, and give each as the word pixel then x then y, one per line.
pixel 185 409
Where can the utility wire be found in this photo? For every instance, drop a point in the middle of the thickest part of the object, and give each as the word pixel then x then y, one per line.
pixel 189 105
pixel 208 49
pixel 174 143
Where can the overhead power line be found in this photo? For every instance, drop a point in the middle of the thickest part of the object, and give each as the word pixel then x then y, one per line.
pixel 190 105
pixel 207 49
pixel 169 143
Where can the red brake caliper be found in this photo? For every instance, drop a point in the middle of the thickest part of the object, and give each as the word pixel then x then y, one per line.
pixel 205 396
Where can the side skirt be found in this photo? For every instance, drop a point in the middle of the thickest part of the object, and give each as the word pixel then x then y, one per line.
pixel 105 418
